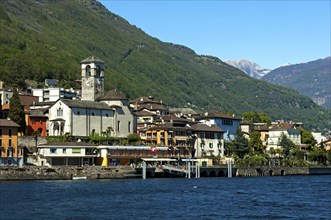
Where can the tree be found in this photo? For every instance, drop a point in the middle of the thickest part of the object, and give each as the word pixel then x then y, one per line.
pixel 286 144
pixel 16 111
pixel 257 117
pixel 307 138
pixel 133 138
pixel 240 144
pixel 317 154
pixel 255 142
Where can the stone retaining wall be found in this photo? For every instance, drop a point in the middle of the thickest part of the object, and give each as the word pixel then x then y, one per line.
pixel 63 172
pixel 97 172
pixel 272 171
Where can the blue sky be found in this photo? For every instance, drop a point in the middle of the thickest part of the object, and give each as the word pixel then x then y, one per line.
pixel 270 33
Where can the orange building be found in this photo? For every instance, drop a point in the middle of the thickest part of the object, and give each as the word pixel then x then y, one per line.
pixel 37 122
pixel 11 154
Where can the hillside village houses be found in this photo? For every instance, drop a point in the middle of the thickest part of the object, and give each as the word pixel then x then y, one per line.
pixel 165 133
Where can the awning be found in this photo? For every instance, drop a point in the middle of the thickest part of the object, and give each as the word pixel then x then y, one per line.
pixel 157 159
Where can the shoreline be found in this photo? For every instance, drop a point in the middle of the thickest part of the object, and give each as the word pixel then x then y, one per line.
pixel 11 173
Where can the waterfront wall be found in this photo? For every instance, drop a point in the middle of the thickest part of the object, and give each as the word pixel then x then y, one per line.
pixel 10 173
pixel 272 171
pixel 63 172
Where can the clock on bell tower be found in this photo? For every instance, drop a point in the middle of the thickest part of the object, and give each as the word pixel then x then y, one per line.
pixel 92 78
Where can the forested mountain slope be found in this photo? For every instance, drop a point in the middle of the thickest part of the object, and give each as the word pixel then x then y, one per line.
pixel 48 38
pixel 312 79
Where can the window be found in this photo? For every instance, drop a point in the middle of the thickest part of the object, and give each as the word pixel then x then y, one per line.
pixel 78 113
pixel 33 121
pixel 226 121
pixel 20 152
pixel 92 113
pixel 0 132
pixel 88 71
pixel 76 150
pixel 53 150
pixel 129 126
pixel 209 135
pixel 210 145
pixel 118 125
pixel 64 150
pixel 10 153
pixel 59 112
pixel 9 143
pixel 9 132
pixel 98 70
pixel 41 121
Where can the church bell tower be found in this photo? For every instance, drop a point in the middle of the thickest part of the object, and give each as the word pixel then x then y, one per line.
pixel 92 78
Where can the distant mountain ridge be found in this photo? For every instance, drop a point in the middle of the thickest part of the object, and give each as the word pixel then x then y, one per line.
pixel 312 79
pixel 250 68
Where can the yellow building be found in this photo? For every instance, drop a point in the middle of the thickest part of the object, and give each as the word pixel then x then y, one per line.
pixel 177 139
pixel 11 154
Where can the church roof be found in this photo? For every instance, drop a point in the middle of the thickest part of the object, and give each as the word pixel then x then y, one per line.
pixel 112 95
pixel 85 104
pixel 92 59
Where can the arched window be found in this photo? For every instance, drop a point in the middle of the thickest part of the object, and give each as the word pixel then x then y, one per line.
pixel 98 70
pixel 59 112
pixel 88 71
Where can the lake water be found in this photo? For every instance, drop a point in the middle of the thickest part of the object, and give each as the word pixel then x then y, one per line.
pixel 284 197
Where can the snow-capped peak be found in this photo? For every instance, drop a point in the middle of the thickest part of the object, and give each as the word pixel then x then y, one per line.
pixel 250 68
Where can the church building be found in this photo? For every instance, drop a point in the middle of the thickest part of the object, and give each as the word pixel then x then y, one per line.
pixel 96 112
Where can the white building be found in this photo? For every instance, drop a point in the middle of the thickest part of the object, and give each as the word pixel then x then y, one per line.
pixel 5 96
pixel 79 118
pixel 96 112
pixel 53 94
pixel 209 140
pixel 67 154
pixel 275 134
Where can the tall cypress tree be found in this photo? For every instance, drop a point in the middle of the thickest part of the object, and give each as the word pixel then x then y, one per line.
pixel 16 111
pixel 240 144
